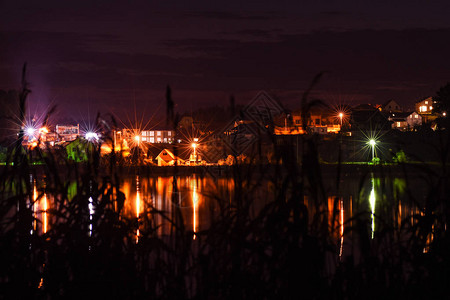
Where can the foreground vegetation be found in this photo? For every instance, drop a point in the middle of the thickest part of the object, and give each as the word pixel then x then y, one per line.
pixel 283 251
pixel 286 249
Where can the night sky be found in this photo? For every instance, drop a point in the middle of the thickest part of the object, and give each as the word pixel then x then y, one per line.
pixel 90 56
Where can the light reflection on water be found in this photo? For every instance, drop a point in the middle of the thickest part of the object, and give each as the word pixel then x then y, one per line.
pixel 195 197
pixel 372 203
pixel 39 207
pixel 162 195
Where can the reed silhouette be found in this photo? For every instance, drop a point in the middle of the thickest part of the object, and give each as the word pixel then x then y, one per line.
pixel 286 248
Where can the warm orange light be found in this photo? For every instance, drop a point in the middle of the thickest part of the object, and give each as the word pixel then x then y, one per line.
pixel 45 221
pixel 43 130
pixel 35 197
pixel 195 202
pixel 138 207
pixel 137 138
pixel 341 217
pixel 194 145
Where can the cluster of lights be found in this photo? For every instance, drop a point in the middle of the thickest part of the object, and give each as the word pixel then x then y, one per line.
pixel 33 134
pixel 30 131
pixel 91 136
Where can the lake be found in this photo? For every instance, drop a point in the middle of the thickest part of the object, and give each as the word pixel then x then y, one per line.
pixel 382 200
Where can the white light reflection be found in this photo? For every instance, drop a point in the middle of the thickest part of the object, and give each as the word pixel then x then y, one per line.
pixel 372 200
pixel 91 214
pixel 195 201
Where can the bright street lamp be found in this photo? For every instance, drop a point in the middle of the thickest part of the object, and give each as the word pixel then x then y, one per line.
pixel 30 131
pixel 341 115
pixel 372 143
pixel 194 146
pixel 91 136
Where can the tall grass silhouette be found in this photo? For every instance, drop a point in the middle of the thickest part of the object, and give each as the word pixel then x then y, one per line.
pixel 280 244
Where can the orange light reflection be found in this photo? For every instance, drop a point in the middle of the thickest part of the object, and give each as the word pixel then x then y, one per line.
pixel 138 207
pixel 44 214
pixel 195 203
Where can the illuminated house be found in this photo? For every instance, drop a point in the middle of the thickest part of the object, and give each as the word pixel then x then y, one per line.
pixel 425 109
pixel 158 136
pixel 320 121
pixel 67 133
pixel 167 158
pixel 405 121
pixel 79 150
pixel 153 136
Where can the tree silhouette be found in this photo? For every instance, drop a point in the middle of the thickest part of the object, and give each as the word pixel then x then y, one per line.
pixel 442 100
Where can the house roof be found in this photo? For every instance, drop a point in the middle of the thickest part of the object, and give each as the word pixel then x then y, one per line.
pixel 423 99
pixel 367 116
pixel 169 157
pixel 384 106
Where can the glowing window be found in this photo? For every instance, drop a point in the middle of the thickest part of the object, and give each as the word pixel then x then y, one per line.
pixel 169 133
pixel 426 102
pixel 416 116
pixel 158 140
pixel 152 133
pixel 158 133
pixel 152 140
pixel 398 124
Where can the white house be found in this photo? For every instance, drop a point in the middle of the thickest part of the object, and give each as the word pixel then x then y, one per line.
pixel 167 158
pixel 405 121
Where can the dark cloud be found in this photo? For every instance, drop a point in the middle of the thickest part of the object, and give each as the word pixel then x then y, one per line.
pixel 335 13
pixel 256 33
pixel 229 15
pixel 80 70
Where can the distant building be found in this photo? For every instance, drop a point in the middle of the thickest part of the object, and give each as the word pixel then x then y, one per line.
pixel 158 136
pixel 167 158
pixel 425 106
pixel 414 119
pixel 149 136
pixel 391 106
pixel 405 121
pixel 319 120
pixel 425 109
pixel 67 133
pixel 367 118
